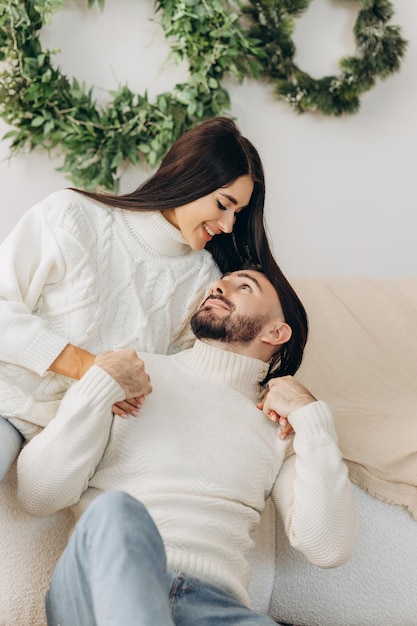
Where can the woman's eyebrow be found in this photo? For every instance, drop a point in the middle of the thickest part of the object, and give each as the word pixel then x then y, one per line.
pixel 231 198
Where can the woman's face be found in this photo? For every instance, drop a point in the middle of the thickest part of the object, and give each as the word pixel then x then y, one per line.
pixel 204 218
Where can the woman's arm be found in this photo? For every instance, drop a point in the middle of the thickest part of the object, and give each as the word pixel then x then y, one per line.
pixel 72 362
pixel 30 259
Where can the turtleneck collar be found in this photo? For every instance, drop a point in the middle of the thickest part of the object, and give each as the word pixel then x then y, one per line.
pixel 155 232
pixel 243 373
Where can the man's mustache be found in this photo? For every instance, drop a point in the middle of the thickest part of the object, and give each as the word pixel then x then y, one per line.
pixel 227 302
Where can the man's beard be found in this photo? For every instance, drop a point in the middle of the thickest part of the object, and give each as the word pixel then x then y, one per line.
pixel 231 328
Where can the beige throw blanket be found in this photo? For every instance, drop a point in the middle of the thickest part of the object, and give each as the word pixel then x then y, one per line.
pixel 362 359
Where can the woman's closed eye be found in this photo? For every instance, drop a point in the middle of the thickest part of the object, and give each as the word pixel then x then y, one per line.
pixel 225 208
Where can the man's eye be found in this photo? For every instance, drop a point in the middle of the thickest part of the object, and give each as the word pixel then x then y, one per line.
pixel 246 287
pixel 221 206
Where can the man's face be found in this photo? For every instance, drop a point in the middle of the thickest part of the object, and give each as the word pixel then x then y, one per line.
pixel 239 306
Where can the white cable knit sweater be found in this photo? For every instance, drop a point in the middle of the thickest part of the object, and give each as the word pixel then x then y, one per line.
pixel 202 458
pixel 76 271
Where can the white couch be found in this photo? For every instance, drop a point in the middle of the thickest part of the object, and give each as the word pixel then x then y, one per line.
pixel 361 359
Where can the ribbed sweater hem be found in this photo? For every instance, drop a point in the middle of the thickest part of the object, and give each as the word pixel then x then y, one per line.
pixel 207 570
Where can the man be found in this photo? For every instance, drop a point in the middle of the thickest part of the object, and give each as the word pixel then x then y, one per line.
pixel 187 479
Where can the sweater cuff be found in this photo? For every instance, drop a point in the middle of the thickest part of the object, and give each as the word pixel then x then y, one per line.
pixel 312 419
pixel 98 386
pixel 42 352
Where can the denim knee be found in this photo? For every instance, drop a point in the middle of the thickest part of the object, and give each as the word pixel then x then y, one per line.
pixel 10 444
pixel 117 514
pixel 114 504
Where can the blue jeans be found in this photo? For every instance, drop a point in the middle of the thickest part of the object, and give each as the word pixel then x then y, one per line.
pixel 113 572
pixel 10 444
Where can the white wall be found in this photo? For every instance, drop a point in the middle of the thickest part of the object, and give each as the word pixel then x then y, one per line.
pixel 341 194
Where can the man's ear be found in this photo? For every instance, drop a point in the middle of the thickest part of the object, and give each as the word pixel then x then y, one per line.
pixel 276 334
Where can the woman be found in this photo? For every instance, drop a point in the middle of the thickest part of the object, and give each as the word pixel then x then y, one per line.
pixel 86 272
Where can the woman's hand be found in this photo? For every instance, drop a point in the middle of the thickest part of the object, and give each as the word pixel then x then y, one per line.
pixel 127 407
pixel 285 394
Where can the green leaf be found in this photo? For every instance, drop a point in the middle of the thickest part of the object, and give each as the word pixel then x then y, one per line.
pixel 37 121
pixel 144 148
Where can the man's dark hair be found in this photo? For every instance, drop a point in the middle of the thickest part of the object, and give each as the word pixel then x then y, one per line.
pixel 288 357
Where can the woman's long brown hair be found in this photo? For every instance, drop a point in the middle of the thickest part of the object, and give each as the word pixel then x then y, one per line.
pixel 205 158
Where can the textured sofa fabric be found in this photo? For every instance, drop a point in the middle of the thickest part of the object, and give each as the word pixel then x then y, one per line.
pixel 361 359
pixel 29 549
pixel 377 587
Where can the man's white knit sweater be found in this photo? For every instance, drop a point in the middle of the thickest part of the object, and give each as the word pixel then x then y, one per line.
pixel 76 271
pixel 202 458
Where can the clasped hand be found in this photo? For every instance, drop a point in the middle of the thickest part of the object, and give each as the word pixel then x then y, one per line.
pixel 285 394
pixel 128 370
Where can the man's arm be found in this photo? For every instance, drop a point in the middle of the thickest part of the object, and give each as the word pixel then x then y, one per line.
pixel 313 492
pixel 55 466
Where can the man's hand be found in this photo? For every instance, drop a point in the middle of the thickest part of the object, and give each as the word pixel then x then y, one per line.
pixel 285 395
pixel 129 372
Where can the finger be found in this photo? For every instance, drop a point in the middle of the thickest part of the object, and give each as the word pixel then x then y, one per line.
pixel 134 403
pixel 127 409
pixel 287 430
pixel 147 387
pixel 263 406
pixel 132 406
pixel 118 411
pixel 273 416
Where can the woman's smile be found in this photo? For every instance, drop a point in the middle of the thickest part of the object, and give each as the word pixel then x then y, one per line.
pixel 218 210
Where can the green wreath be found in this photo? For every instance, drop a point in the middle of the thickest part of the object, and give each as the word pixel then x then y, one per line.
pixel 379 49
pixel 49 111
